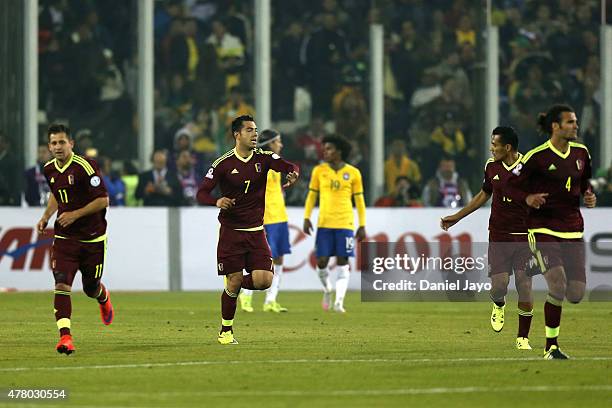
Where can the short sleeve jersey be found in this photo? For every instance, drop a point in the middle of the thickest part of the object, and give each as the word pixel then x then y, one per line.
pixel 336 189
pixel 275 211
pixel 75 185
pixel 507 215
pixel 564 176
pixel 245 180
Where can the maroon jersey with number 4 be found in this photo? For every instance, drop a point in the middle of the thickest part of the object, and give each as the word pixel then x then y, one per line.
pixel 507 215
pixel 243 179
pixel 564 176
pixel 75 185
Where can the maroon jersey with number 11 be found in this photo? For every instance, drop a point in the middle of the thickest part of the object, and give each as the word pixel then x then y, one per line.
pixel 75 185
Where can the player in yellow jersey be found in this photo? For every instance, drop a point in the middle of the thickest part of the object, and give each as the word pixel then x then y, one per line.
pixel 275 224
pixel 336 183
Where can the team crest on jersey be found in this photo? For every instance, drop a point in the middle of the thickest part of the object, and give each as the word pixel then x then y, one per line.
pixel 345 176
pixel 70 179
pixel 220 266
pixel 579 164
pixel 517 170
pixel 258 167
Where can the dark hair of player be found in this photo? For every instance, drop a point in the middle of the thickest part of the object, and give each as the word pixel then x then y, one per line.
pixel 267 136
pixel 341 144
pixel 545 120
pixel 507 135
pixel 237 123
pixel 58 128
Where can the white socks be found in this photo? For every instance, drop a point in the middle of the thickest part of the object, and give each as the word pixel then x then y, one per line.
pixel 324 277
pixel 272 291
pixel 246 292
pixel 342 283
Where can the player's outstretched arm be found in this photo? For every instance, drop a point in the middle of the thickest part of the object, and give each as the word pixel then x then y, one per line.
pixel 67 218
pixel 478 201
pixel 49 211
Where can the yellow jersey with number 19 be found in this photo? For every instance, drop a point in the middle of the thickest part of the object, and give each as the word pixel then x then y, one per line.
pixel 336 189
pixel 275 201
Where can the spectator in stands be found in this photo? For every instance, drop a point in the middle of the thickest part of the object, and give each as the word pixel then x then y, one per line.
pixel 159 186
pixel 111 80
pixel 447 188
pixel 187 177
pixel 36 187
pixel 230 53
pixel 235 106
pixel 350 108
pixel 288 72
pixel 311 140
pixel 9 186
pixel 465 32
pixel 449 137
pixel 325 51
pixel 129 176
pixel 183 141
pixel 113 182
pixel 405 195
pixel 400 165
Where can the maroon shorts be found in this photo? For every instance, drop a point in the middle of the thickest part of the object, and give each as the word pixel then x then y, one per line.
pixel 551 251
pixel 507 252
pixel 68 256
pixel 238 250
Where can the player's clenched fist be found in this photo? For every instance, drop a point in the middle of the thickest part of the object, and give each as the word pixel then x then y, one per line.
pixel 225 203
pixel 291 178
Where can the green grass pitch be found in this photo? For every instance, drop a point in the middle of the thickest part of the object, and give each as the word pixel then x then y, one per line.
pixel 161 351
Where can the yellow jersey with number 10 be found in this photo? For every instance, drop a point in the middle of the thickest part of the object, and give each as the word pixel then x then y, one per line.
pixel 275 201
pixel 336 190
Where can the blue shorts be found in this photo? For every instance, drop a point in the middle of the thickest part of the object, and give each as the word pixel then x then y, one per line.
pixel 335 242
pixel 278 238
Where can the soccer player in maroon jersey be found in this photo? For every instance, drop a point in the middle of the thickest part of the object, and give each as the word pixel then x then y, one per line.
pixel 508 249
pixel 79 196
pixel 241 175
pixel 551 179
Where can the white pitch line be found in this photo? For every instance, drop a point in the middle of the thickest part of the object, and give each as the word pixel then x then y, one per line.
pixel 296 361
pixel 378 392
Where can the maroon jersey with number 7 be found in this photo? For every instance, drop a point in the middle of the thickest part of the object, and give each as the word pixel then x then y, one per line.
pixel 243 179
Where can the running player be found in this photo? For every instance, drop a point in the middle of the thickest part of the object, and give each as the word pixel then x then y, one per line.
pixel 79 196
pixel 508 249
pixel 242 175
pixel 275 224
pixel 336 183
pixel 550 179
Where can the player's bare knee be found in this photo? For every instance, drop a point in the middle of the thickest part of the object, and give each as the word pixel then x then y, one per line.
pixel 265 281
pixel 575 292
pixel 233 282
pixel 342 260
pixel 322 262
pixel 63 287
pixel 499 285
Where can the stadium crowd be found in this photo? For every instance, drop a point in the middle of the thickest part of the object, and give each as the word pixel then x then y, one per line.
pixel 204 53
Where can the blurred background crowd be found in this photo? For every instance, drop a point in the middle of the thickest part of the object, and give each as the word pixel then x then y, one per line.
pixel 204 69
